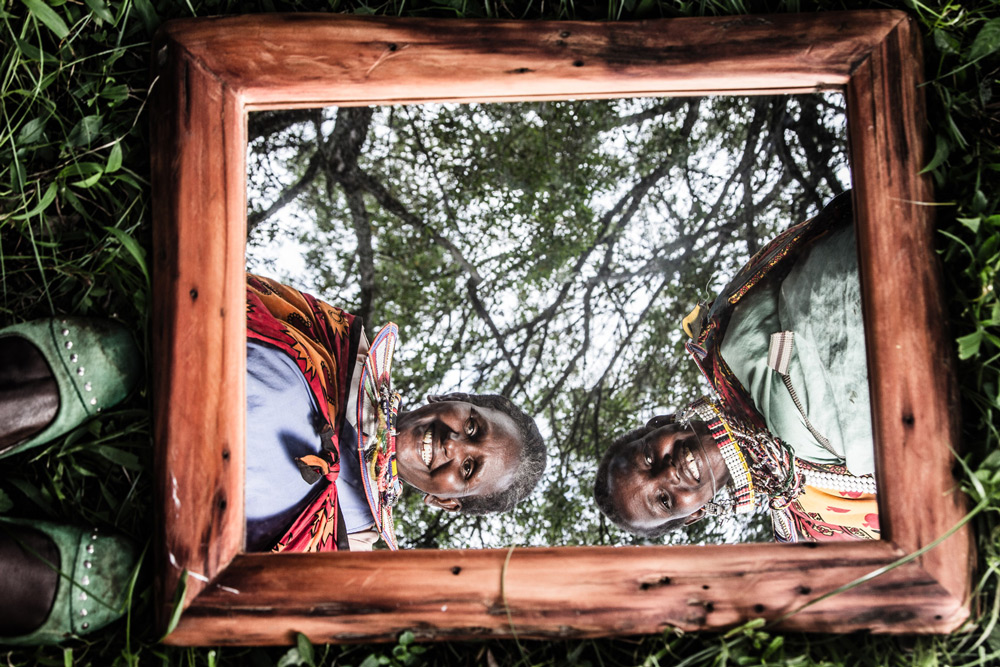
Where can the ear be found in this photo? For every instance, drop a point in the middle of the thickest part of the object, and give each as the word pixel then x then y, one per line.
pixel 447 504
pixel 660 420
pixel 698 515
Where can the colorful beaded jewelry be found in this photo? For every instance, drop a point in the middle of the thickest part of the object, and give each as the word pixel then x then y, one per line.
pixel 759 464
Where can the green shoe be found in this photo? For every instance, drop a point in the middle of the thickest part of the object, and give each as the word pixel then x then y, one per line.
pixel 95 365
pixel 94 574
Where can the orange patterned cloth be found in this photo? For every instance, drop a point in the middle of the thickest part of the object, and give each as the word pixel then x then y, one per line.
pixel 317 336
pixel 821 515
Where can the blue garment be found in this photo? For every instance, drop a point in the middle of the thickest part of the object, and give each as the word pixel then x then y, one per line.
pixel 284 423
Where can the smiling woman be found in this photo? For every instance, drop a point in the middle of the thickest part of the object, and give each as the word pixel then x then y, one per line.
pixel 661 477
pixel 327 444
pixel 453 450
pixel 790 318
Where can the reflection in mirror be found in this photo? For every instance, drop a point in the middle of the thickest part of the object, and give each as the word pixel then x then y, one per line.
pixel 544 251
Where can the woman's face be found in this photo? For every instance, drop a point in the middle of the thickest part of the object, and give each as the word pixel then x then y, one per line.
pixel 453 449
pixel 666 475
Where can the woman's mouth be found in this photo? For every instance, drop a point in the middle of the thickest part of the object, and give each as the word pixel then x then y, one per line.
pixel 691 464
pixel 427 447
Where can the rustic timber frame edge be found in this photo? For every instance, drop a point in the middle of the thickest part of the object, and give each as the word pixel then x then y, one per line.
pixel 211 72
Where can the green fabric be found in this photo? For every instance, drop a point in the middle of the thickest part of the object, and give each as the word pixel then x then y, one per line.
pixel 820 301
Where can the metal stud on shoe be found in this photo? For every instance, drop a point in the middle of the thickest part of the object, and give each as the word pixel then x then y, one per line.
pixel 99 577
pixel 94 363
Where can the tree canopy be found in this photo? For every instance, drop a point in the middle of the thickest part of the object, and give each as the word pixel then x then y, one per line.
pixel 543 251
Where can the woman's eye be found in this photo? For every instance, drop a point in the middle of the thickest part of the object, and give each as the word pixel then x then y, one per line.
pixel 471 429
pixel 467 468
pixel 647 455
pixel 664 500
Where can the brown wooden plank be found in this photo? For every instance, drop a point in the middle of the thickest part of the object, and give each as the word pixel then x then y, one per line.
pixel 380 59
pixel 198 363
pixel 596 590
pixel 910 353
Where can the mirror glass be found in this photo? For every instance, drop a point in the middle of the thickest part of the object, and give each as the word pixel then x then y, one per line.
pixel 545 251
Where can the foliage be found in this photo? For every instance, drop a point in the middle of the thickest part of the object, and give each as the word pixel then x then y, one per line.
pixel 74 237
pixel 547 252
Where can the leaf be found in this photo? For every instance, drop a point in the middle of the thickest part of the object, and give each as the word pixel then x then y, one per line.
pixel 305 649
pixel 31 132
pixel 85 131
pixel 89 181
pixel 114 159
pixel 986 42
pixel 971 223
pixel 17 175
pixel 41 11
pixel 148 15
pixel 47 198
pixel 31 52
pixel 34 495
pixel 945 42
pixel 941 151
pixel 5 502
pixel 133 248
pixel 994 316
pixel 968 346
pixel 175 614
pixel 370 661
pixel 290 659
pixel 120 457
pixel 100 10
pixel 979 202
pixel 116 93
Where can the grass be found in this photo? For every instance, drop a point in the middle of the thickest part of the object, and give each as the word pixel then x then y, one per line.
pixel 75 236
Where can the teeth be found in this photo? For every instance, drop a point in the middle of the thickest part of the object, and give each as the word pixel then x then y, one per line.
pixel 692 465
pixel 426 451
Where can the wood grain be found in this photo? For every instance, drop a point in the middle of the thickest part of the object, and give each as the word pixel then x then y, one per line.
pixel 915 404
pixel 206 85
pixel 199 363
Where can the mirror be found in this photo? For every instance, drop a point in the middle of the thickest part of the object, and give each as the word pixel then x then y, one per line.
pixel 915 579
pixel 547 251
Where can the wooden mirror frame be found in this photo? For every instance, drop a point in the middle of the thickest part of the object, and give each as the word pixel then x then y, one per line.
pixel 211 72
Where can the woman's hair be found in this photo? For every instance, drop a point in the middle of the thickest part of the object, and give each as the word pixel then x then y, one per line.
pixel 531 462
pixel 606 500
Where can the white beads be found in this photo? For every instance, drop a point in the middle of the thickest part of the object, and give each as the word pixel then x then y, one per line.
pixel 835 482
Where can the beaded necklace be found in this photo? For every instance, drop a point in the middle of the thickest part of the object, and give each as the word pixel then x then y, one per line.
pixel 758 463
pixel 378 406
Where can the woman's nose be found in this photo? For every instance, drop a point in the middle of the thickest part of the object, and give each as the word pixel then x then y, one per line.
pixel 450 444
